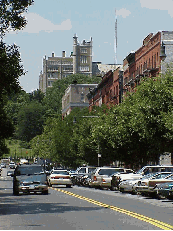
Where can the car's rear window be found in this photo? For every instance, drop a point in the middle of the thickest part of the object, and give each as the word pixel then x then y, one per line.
pixel 91 170
pixel 109 171
pixel 60 172
pixel 29 170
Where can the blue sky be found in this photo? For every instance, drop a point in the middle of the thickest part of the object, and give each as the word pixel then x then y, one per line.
pixel 52 24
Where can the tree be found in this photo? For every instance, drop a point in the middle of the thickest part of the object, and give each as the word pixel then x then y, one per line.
pixel 30 121
pixel 11 12
pixel 10 63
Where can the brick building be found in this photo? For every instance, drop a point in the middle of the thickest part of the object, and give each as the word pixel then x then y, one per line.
pixel 109 90
pixel 150 59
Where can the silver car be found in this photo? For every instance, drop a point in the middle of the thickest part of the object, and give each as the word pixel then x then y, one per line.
pixel 102 176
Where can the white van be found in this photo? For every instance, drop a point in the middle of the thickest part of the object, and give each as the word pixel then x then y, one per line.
pixel 24 161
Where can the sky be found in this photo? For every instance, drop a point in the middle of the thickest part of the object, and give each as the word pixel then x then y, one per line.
pixel 53 23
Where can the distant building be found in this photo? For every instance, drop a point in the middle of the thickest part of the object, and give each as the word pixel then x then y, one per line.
pixel 82 56
pixel 54 68
pixel 76 96
pixel 79 61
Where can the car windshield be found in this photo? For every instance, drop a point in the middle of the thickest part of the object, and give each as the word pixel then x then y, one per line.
pixel 60 172
pixel 29 170
pixel 170 177
pixel 109 171
pixel 161 175
pixel 149 175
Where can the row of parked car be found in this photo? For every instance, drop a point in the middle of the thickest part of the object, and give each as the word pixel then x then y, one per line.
pixel 154 181
pixel 149 181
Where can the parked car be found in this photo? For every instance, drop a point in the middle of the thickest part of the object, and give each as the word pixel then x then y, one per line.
pixel 146 186
pixel 60 177
pixel 144 171
pixel 131 185
pixel 9 173
pixel 164 190
pixel 116 178
pixel 24 161
pixel 29 178
pixel 80 173
pixel 101 177
pixel 12 165
pixel 108 180
pixel 3 165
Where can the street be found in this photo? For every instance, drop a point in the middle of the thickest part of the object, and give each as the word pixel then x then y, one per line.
pixel 81 208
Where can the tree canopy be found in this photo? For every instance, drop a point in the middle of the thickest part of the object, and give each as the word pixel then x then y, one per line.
pixel 134 132
pixel 11 18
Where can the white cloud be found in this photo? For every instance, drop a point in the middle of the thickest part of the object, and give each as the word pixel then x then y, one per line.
pixel 158 5
pixel 123 12
pixel 36 23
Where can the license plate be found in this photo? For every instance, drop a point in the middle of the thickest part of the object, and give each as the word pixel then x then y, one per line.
pixel 25 188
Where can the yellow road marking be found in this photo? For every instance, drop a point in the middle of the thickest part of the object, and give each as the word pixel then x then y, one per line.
pixel 152 221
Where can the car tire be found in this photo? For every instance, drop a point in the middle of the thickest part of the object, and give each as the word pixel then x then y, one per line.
pixel 113 188
pixel 46 192
pixel 68 186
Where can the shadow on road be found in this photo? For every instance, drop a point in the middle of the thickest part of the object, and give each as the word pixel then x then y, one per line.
pixel 8 208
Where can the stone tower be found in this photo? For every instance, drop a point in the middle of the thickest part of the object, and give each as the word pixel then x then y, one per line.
pixel 82 56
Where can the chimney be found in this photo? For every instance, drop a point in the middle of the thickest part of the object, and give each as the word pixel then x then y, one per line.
pixel 63 53
pixel 53 54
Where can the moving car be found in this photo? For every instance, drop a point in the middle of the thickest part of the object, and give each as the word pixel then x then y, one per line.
pixel 29 178
pixel 60 177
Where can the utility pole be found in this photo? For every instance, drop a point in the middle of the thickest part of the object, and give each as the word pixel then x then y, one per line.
pixel 115 39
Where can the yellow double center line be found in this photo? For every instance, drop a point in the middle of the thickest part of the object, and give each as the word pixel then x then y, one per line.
pixel 152 221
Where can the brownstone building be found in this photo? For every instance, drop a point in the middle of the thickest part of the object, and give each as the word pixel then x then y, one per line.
pixel 109 91
pixel 150 59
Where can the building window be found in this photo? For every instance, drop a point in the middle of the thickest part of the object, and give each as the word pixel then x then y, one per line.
pixel 84 68
pixel 83 50
pixel 83 59
pixel 82 97
pixel 50 83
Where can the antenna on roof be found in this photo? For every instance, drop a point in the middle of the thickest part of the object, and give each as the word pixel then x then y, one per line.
pixel 115 39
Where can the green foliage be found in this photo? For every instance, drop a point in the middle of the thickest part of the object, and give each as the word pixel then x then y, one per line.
pixel 10 62
pixel 30 121
pixel 11 14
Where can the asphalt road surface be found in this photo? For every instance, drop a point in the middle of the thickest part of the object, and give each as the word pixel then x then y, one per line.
pixel 82 209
